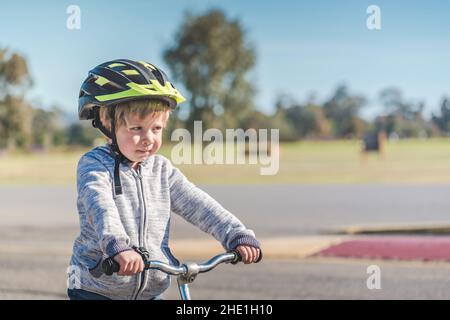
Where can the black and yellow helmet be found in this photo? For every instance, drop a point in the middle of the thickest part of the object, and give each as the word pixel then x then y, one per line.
pixel 117 81
pixel 121 80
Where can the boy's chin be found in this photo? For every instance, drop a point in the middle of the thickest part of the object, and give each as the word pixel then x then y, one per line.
pixel 142 156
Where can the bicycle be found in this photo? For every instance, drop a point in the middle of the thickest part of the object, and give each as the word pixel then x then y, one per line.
pixel 186 272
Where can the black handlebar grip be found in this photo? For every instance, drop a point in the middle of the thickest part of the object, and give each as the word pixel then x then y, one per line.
pixel 260 256
pixel 109 266
pixel 238 257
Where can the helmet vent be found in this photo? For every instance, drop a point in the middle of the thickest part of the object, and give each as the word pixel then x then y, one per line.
pixel 91 79
pixel 111 86
pixel 158 76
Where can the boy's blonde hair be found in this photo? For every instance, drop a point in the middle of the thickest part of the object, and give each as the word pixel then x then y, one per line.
pixel 141 108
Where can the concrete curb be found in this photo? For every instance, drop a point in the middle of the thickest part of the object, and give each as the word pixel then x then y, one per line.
pixel 273 248
pixel 423 228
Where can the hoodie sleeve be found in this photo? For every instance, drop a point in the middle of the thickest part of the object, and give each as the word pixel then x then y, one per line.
pixel 201 210
pixel 95 193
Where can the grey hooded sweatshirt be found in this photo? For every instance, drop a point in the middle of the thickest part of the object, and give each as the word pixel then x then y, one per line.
pixel 111 223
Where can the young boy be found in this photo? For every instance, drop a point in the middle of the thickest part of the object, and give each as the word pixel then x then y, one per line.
pixel 126 191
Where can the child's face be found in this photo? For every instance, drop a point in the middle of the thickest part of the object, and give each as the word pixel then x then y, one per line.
pixel 140 138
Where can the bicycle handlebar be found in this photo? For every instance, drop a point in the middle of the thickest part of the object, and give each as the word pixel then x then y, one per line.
pixel 110 266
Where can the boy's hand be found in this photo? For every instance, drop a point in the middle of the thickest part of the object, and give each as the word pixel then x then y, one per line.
pixel 249 254
pixel 130 263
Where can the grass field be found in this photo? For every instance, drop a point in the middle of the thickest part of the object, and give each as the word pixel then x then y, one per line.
pixel 333 162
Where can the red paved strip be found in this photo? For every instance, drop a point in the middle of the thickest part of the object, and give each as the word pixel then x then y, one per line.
pixel 393 247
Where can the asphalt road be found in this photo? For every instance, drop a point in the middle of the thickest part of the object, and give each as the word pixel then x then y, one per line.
pixel 43 277
pixel 272 210
pixel 39 224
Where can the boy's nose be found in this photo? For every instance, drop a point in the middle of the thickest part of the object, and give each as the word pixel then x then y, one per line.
pixel 148 139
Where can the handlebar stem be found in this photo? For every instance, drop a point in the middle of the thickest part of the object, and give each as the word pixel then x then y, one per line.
pixel 192 270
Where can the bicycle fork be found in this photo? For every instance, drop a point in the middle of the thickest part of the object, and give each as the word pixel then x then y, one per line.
pixel 192 270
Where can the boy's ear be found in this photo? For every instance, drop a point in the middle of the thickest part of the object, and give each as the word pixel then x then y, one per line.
pixel 105 122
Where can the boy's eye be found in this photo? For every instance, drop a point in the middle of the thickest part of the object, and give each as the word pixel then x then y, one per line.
pixel 135 128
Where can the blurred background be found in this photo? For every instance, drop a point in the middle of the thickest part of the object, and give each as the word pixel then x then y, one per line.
pixel 360 95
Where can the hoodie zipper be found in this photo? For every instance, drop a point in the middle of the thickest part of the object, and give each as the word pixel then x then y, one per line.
pixel 143 275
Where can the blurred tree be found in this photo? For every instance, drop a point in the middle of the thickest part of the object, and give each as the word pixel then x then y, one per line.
pixel 258 120
pixel 296 117
pixel 15 112
pixel 402 118
pixel 322 128
pixel 211 58
pixel 394 104
pixel 15 122
pixel 13 71
pixel 304 120
pixel 46 127
pixel 82 134
pixel 343 108
pixel 442 121
pixel 294 121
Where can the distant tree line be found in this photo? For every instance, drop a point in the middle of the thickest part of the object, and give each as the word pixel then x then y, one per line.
pixel 339 117
pixel 25 126
pixel 211 58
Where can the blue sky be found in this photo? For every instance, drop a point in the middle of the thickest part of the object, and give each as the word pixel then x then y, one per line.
pixel 302 47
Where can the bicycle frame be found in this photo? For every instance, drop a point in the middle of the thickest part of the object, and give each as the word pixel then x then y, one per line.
pixel 183 288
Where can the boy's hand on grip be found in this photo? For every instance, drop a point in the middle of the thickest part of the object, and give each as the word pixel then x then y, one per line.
pixel 249 254
pixel 130 263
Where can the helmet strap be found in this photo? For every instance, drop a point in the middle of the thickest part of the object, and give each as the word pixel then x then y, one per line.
pixel 117 183
pixel 96 123
pixel 114 144
pixel 119 157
